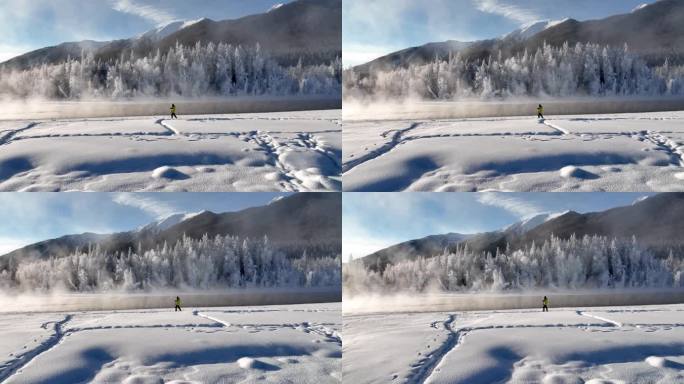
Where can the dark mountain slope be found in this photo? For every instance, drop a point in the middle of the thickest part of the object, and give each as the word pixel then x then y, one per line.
pixel 304 221
pixel 655 32
pixel 311 29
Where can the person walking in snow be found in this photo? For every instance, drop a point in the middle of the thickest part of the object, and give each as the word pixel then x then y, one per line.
pixel 173 111
pixel 540 112
pixel 545 302
pixel 178 304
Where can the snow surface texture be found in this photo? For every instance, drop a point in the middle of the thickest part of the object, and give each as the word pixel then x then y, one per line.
pixel 612 152
pixel 598 345
pixel 289 151
pixel 274 344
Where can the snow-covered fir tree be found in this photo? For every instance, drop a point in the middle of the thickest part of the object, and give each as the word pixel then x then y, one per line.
pixel 196 71
pixel 579 70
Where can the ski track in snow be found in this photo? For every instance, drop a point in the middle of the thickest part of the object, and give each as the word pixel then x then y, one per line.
pixel 557 128
pixel 666 144
pixel 16 365
pixel 387 147
pixel 320 329
pixel 425 367
pixel 171 129
pixel 613 322
pixel 7 138
pixel 270 146
pixel 221 322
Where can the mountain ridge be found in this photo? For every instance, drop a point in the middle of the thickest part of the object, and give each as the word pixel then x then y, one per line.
pixel 310 29
pixel 655 222
pixel 296 222
pixel 654 32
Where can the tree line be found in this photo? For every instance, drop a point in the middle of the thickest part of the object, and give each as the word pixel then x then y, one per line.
pixel 185 71
pixel 576 263
pixel 580 70
pixel 219 262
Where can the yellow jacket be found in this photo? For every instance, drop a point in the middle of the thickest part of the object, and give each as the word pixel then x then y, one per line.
pixel 173 109
pixel 540 110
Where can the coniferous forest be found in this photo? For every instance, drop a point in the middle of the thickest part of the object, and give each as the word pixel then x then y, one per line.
pixel 588 262
pixel 183 71
pixel 219 262
pixel 566 71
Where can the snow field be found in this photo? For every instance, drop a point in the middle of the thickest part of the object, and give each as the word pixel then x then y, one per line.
pixel 618 152
pixel 641 344
pixel 290 151
pixel 274 344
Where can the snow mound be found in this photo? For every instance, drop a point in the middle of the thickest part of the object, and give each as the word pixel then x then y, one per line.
pixel 249 363
pixel 661 362
pixel 170 173
pixel 143 379
pixel 571 171
pixel 246 363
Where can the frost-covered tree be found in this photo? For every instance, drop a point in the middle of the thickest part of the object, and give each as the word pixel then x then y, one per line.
pixel 222 261
pixel 582 70
pixel 587 262
pixel 187 71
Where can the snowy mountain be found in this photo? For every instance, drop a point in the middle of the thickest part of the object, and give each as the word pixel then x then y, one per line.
pixel 168 29
pixel 310 29
pixel 634 246
pixel 531 29
pixel 295 223
pixel 415 55
pixel 654 31
pixel 413 249
pixel 530 223
pixel 168 221
pixel 656 222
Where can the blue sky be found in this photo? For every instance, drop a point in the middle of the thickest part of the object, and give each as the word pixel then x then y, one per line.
pixel 31 217
pixel 26 25
pixel 373 221
pixel 372 28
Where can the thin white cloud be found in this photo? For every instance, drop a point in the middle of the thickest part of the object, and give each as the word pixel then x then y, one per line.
pixel 513 12
pixel 9 244
pixel 516 206
pixel 356 54
pixel 11 51
pixel 153 207
pixel 155 15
